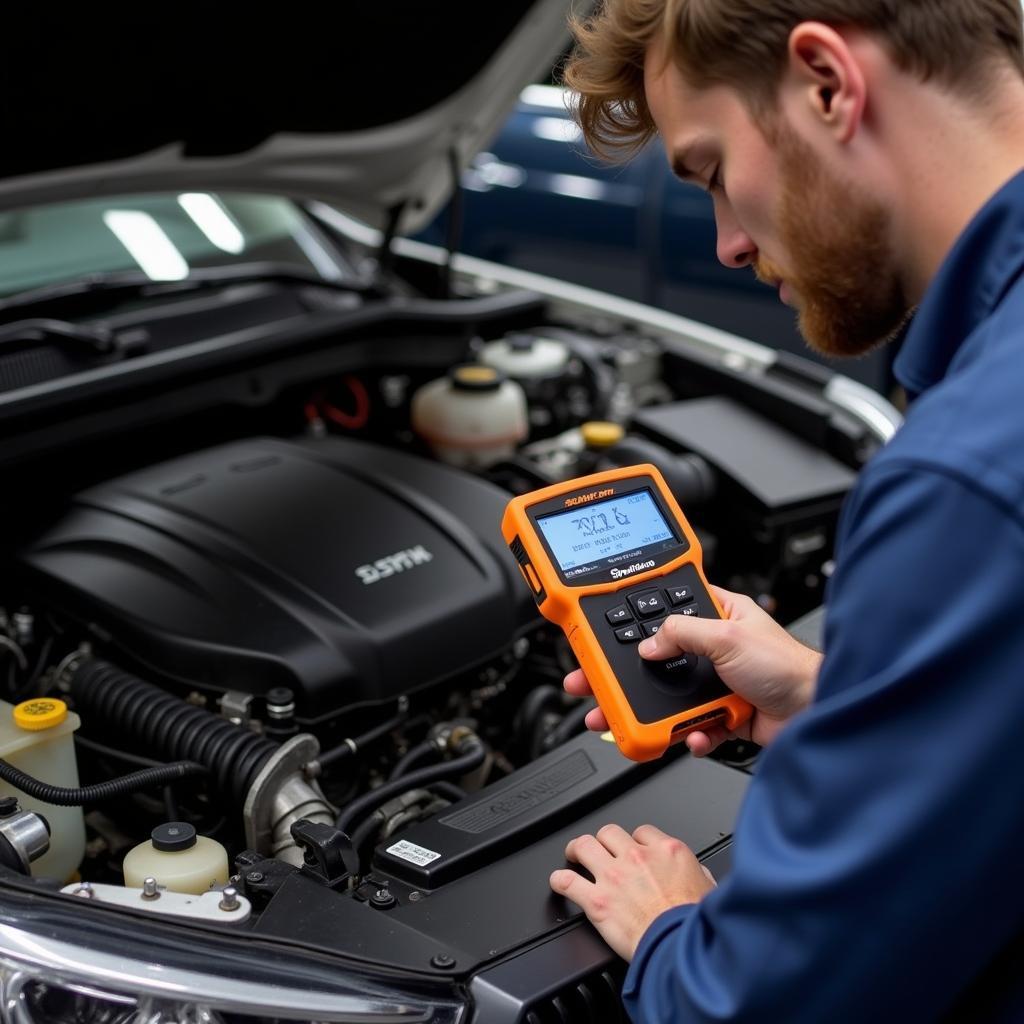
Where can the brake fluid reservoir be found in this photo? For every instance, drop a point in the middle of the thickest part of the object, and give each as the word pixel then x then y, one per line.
pixel 472 418
pixel 37 736
pixel 524 357
pixel 178 859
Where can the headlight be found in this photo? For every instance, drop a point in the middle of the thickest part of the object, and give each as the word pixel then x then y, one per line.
pixel 61 964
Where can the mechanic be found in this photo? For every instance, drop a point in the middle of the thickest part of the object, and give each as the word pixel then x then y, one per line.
pixel 865 157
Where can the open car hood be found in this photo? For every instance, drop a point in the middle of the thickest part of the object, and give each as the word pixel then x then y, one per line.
pixel 373 108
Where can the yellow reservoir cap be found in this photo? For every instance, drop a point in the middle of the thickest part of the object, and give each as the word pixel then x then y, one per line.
pixel 39 713
pixel 600 434
pixel 475 377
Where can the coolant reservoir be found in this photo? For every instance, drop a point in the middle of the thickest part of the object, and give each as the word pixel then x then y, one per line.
pixel 472 418
pixel 178 859
pixel 37 736
pixel 524 357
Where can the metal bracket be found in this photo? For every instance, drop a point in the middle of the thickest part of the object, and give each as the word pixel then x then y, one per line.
pixel 236 707
pixel 207 907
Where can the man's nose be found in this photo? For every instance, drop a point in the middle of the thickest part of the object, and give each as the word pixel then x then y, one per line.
pixel 735 247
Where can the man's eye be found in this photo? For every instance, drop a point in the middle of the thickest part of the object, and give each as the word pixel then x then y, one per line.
pixel 715 181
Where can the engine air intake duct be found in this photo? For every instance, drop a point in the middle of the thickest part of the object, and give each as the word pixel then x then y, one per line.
pixel 168 728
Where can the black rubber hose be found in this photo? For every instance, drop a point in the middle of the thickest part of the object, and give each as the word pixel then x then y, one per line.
pixel 170 803
pixel 101 791
pixel 362 832
pixel 169 728
pixel 349 747
pixel 689 477
pixel 448 790
pixel 413 756
pixel 573 723
pixel 534 703
pixel 421 777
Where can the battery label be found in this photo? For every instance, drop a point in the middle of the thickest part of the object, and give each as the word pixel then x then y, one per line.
pixel 413 853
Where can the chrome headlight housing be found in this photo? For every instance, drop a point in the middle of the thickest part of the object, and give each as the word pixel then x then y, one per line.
pixel 65 964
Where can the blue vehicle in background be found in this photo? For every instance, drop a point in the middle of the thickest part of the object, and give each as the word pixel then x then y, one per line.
pixel 538 200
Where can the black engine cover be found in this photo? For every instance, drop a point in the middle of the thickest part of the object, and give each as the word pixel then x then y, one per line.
pixel 346 571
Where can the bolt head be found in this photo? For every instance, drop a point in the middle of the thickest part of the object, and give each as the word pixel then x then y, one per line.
pixel 442 960
pixel 382 899
pixel 255 877
pixel 229 899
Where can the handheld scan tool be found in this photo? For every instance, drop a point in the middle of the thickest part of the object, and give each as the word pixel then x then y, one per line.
pixel 609 557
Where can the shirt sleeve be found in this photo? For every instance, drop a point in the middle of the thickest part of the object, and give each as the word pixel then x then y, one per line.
pixel 877 855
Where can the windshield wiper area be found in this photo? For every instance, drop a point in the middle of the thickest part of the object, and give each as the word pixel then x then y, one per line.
pixel 101 341
pixel 99 290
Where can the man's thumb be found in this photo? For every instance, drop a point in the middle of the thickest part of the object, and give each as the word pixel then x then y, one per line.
pixel 687 633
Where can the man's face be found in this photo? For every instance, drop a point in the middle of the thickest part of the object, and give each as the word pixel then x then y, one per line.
pixel 823 241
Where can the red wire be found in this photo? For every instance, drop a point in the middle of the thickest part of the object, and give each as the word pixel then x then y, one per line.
pixel 354 420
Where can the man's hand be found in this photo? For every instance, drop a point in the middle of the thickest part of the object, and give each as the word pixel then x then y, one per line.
pixel 635 879
pixel 752 654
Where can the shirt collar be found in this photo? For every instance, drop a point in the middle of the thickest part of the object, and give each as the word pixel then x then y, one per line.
pixel 973 279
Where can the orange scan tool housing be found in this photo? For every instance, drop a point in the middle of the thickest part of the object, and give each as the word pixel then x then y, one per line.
pixel 608 557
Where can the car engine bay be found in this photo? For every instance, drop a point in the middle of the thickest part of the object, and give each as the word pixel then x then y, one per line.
pixel 282 574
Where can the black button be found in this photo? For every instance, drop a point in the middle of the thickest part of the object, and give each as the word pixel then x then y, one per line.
pixel 679 595
pixel 620 613
pixel 628 634
pixel 690 609
pixel 650 628
pixel 649 603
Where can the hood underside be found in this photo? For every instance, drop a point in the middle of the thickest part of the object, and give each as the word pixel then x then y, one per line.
pixel 364 106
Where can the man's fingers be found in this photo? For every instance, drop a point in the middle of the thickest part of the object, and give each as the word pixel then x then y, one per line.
pixel 615 839
pixel 688 633
pixel 648 835
pixel 701 742
pixel 588 852
pixel 572 885
pixel 576 684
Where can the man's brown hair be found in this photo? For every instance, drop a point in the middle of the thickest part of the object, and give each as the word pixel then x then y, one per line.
pixel 744 44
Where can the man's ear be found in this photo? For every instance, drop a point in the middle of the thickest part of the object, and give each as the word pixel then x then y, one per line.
pixel 829 77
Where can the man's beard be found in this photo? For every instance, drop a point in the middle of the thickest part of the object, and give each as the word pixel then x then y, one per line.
pixel 842 268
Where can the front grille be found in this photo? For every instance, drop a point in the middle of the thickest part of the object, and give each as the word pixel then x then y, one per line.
pixel 595 999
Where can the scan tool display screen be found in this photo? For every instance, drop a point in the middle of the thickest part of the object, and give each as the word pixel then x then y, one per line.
pixel 601 535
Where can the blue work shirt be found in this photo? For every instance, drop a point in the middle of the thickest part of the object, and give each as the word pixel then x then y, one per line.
pixel 878 866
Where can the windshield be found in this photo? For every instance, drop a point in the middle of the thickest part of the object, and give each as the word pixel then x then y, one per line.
pixel 164 236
